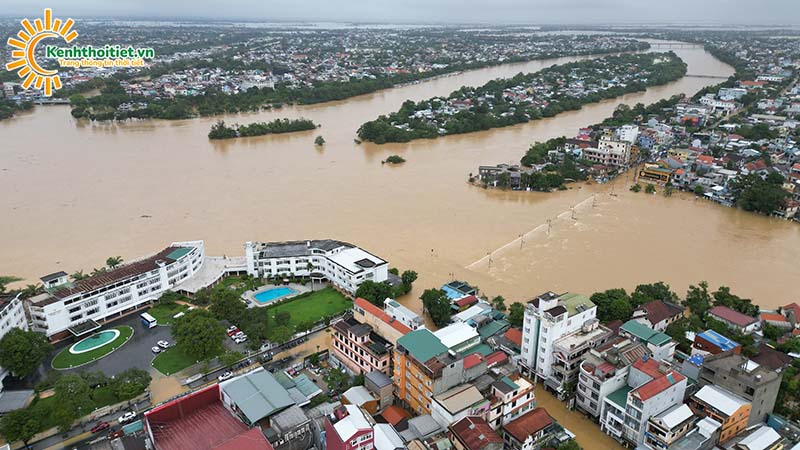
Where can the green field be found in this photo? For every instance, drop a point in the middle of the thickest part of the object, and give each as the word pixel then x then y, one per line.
pixel 171 361
pixel 164 313
pixel 67 360
pixel 313 306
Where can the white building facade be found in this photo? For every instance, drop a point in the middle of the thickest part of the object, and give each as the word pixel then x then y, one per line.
pixel 549 317
pixel 344 265
pixel 12 315
pixel 70 308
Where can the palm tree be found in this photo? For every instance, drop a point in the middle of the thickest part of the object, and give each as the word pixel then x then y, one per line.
pixel 113 261
pixel 4 280
pixel 32 290
pixel 99 271
pixel 77 276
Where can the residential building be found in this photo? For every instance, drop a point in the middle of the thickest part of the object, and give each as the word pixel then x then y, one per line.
pixel 627 133
pixel 658 314
pixel 381 387
pixel 344 265
pixel 473 433
pixel 727 408
pixel 710 342
pixel 457 403
pixel 457 289
pixel 12 315
pixel 665 428
pixel 659 344
pixel 650 389
pixel 361 397
pixel 655 173
pixel 349 428
pixel 458 337
pixel 734 319
pixel 757 384
pixel 605 370
pixel 568 352
pixel 609 152
pixel 763 438
pixel 406 316
pixel 75 309
pixel 548 317
pixel 511 397
pixel 358 349
pixel 424 367
pixel 380 321
pixel 528 431
pixel 703 436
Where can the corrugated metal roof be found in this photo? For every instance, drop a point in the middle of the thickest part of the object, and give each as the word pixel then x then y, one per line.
pixel 257 394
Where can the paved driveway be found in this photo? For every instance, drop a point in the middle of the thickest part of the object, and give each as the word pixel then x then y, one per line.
pixel 135 353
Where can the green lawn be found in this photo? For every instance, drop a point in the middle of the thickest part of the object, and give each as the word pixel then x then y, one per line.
pixel 164 313
pixel 239 283
pixel 313 306
pixel 66 360
pixel 171 361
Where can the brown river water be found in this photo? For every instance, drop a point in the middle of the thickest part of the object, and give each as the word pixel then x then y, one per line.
pixel 75 193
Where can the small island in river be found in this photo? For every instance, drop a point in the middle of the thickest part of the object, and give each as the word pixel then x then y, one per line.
pixel 278 126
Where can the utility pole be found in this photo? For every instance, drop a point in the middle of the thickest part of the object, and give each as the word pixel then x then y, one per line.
pixel 521 241
pixel 549 226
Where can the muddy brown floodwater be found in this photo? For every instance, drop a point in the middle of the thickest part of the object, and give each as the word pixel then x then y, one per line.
pixel 75 193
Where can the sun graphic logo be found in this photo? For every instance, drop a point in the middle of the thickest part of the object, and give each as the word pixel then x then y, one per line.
pixel 25 59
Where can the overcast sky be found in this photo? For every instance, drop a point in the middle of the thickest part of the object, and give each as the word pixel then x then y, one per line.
pixel 431 11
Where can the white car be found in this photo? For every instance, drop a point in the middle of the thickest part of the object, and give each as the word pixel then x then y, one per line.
pixel 231 328
pixel 240 339
pixel 156 349
pixel 163 344
pixel 127 417
pixel 225 376
pixel 238 335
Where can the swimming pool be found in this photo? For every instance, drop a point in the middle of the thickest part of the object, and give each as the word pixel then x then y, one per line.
pixel 94 341
pixel 273 294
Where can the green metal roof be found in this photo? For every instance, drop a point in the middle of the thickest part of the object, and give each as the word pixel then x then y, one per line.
pixel 492 328
pixel 177 253
pixel 422 344
pixel 645 333
pixel 620 396
pixel 483 349
pixel 510 383
pixel 573 301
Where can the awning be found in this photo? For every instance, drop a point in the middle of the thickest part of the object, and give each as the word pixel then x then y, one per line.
pixel 83 328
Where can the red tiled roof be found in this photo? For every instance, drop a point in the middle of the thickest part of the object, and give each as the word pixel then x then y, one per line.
pixel 472 360
pixel 772 317
pixel 395 414
pixel 464 301
pixel 381 314
pixel 529 423
pixel 734 317
pixel 649 367
pixel 705 159
pixel 251 440
pixel 495 358
pixel 474 433
pixel 793 307
pixel 657 385
pixel 514 335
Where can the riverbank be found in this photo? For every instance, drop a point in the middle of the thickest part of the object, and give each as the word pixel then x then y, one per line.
pixel 284 187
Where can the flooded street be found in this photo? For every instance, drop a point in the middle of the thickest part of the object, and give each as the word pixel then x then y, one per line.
pixel 587 433
pixel 75 193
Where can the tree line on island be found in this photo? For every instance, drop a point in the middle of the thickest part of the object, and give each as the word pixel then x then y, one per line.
pixel 278 126
pixel 503 113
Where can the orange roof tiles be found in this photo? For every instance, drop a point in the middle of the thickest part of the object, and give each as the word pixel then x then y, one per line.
pixel 514 335
pixel 395 414
pixel 381 314
pixel 657 385
pixel 773 317
pixel 649 367
pixel 528 424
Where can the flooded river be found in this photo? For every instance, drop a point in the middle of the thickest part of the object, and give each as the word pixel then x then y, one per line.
pixel 75 193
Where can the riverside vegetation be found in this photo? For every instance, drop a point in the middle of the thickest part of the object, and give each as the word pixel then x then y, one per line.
pixel 525 97
pixel 278 126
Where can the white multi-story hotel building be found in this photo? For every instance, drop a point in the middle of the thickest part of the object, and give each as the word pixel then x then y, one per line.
pixel 12 315
pixel 344 265
pixel 549 317
pixel 76 308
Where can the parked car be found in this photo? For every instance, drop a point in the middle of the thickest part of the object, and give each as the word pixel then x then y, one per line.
pixel 127 417
pixel 100 427
pixel 156 349
pixel 238 335
pixel 233 333
pixel 231 328
pixel 240 339
pixel 163 344
pixel 225 376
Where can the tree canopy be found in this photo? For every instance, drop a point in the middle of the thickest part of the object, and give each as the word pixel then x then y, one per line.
pixel 374 292
pixel 199 335
pixel 437 303
pixel 22 351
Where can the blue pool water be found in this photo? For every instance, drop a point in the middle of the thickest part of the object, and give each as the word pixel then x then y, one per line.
pixel 272 294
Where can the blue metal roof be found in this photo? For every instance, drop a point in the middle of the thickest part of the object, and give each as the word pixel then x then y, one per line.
pixel 719 340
